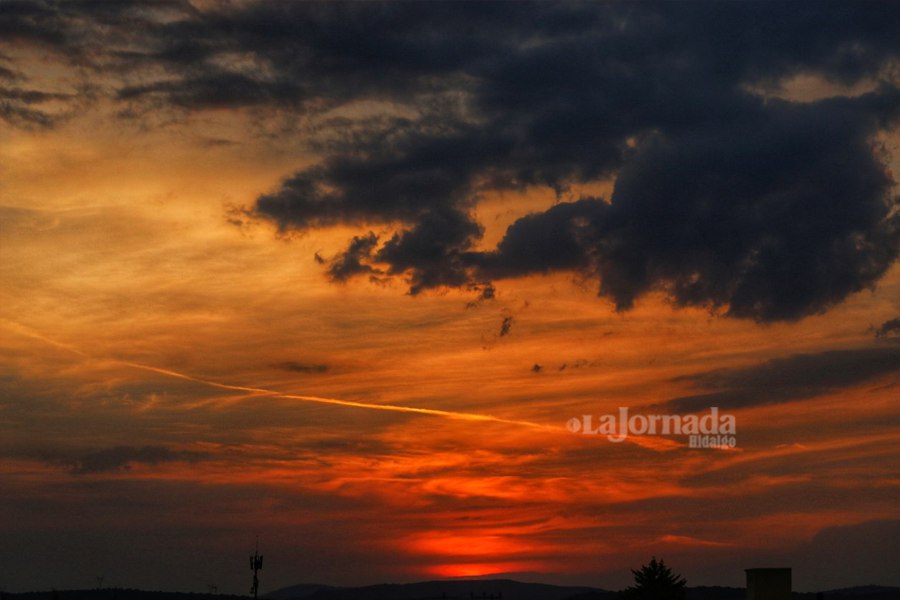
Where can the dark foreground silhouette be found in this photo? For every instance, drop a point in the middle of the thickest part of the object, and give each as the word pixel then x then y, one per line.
pixel 465 589
pixel 655 581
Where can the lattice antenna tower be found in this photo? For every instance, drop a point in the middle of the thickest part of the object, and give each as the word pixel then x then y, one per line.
pixel 256 563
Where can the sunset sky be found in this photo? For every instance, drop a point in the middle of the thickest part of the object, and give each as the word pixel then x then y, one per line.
pixel 339 275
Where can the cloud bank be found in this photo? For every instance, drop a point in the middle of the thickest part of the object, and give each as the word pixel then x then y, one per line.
pixel 727 194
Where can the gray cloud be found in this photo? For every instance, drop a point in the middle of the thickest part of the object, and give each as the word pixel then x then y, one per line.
pixel 796 377
pixel 121 457
pixel 116 458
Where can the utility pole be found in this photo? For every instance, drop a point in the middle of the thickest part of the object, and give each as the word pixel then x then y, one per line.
pixel 256 562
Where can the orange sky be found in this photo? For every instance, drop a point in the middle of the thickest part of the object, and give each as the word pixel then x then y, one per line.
pixel 160 367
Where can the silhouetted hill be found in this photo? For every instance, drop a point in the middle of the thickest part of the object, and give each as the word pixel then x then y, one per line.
pixel 115 594
pixel 466 589
pixel 715 593
pixel 303 590
pixel 451 589
pixel 594 595
pixel 869 592
pixel 864 592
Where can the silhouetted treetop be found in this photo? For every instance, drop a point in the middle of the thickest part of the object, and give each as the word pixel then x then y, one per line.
pixel 655 581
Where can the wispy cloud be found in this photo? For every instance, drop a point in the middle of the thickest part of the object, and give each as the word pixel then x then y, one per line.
pixel 796 377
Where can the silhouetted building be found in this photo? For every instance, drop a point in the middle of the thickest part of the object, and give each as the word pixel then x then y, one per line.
pixel 768 584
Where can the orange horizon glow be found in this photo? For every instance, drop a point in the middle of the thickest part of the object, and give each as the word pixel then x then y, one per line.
pixel 182 372
pixel 476 569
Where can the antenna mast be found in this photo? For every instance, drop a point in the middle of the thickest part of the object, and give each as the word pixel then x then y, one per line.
pixel 256 562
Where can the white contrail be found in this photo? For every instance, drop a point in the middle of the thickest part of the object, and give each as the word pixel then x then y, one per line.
pixel 450 414
pixel 31 333
pixel 447 414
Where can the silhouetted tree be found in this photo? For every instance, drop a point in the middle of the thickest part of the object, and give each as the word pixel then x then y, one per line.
pixel 655 582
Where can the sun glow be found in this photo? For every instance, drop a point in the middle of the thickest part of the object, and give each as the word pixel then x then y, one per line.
pixel 476 569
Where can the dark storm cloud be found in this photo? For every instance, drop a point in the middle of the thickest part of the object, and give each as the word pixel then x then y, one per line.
pixel 796 377
pixel 777 215
pixel 405 181
pixel 750 206
pixel 25 117
pixel 26 107
pixel 334 50
pixel 86 34
pixel 34 22
pixel 889 328
pixel 121 457
pixel 9 74
pixel 767 210
pixel 432 252
pixel 543 242
pixel 217 90
pixel 354 260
